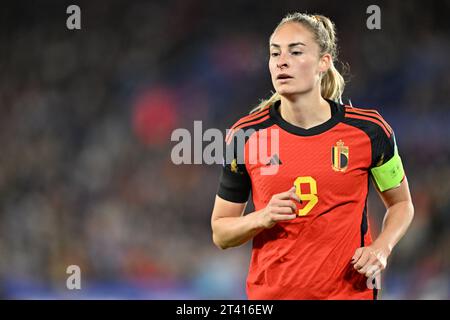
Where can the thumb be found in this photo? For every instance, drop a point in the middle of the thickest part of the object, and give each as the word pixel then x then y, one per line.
pixel 285 194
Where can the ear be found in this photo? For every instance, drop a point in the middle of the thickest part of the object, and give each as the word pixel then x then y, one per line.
pixel 325 63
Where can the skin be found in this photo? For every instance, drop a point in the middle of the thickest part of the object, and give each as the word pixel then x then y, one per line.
pixel 293 51
pixel 371 260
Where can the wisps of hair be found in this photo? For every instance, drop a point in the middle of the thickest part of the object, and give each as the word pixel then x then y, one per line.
pixel 332 83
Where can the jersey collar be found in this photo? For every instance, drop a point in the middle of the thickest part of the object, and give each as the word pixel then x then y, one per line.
pixel 337 113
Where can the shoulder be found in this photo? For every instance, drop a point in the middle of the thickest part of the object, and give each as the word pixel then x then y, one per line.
pixel 368 120
pixel 255 121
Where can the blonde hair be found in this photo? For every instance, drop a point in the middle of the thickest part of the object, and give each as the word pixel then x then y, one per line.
pixel 332 83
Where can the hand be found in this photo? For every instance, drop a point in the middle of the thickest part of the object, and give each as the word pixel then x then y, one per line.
pixel 279 208
pixel 370 260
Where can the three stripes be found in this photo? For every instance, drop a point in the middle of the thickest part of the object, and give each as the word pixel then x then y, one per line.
pixel 370 115
pixel 350 112
pixel 251 119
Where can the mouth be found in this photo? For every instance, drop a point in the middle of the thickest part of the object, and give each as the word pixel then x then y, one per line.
pixel 283 76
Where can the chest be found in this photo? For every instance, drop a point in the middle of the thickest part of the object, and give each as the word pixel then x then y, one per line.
pixel 333 165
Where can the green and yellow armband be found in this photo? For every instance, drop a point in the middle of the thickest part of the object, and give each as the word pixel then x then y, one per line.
pixel 390 174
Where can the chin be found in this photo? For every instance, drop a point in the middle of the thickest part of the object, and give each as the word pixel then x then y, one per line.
pixel 289 92
pixel 285 92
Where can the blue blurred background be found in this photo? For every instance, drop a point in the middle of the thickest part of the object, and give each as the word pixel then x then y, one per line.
pixel 86 116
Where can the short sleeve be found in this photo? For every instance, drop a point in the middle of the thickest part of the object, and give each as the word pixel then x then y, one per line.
pixel 234 183
pixel 387 168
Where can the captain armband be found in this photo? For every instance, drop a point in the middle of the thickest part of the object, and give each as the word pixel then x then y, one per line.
pixel 390 174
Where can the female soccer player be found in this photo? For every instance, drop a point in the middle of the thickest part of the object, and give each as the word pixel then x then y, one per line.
pixel 310 231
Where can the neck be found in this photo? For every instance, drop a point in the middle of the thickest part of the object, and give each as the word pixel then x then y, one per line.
pixel 306 110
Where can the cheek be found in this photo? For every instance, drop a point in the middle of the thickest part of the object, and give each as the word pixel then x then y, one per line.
pixel 273 72
pixel 307 66
pixel 307 72
pixel 272 67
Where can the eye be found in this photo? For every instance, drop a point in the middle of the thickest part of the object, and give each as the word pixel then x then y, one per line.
pixel 296 53
pixel 274 54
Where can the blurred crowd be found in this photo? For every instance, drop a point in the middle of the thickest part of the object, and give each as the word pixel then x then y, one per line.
pixel 86 117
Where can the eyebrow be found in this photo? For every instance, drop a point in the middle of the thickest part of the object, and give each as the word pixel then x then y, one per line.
pixel 290 45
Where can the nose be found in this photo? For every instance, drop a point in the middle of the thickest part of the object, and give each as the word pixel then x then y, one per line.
pixel 282 62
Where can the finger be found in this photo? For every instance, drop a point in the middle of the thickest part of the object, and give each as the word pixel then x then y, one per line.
pixel 357 255
pixel 371 261
pixel 282 210
pixel 362 260
pixel 372 271
pixel 377 272
pixel 295 196
pixel 284 195
pixel 374 260
pixel 283 217
pixel 285 203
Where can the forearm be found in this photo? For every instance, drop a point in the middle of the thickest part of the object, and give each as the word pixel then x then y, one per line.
pixel 396 221
pixel 235 231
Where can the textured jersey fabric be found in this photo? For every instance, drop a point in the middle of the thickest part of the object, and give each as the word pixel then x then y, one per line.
pixel 308 257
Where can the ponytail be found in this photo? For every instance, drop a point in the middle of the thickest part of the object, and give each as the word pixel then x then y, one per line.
pixel 267 102
pixel 332 84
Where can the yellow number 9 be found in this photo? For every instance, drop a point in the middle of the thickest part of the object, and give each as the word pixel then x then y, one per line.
pixel 311 197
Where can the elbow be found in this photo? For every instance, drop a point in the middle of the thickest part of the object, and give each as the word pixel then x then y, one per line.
pixel 217 239
pixel 219 243
pixel 411 210
pixel 407 208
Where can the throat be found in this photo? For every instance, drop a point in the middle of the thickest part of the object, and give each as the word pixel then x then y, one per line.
pixel 307 116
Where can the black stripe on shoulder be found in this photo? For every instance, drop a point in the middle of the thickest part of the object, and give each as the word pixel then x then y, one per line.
pixel 236 143
pixel 251 120
pixel 258 111
pixel 361 110
pixel 240 136
pixel 249 117
pixel 375 133
pixel 372 117
pixel 246 129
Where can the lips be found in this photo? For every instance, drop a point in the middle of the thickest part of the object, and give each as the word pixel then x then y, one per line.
pixel 283 76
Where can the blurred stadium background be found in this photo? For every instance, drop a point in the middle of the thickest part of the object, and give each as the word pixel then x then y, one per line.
pixel 85 123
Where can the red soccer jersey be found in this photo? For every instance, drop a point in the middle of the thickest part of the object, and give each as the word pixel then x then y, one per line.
pixel 308 257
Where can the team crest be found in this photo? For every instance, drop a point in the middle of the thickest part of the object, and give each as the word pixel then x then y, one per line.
pixel 339 156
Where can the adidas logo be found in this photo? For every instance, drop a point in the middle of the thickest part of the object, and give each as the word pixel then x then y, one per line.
pixel 274 160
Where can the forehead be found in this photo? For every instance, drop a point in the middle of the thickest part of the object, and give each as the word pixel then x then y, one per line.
pixel 291 32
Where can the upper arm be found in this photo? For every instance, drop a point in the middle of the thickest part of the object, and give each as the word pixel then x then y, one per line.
pixel 387 167
pixel 234 184
pixel 224 209
pixel 395 195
